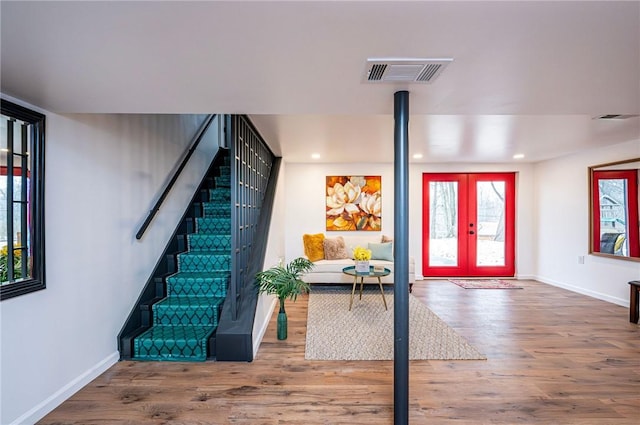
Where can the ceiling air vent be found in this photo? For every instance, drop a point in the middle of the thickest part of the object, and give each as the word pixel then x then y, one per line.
pixel 404 70
pixel 376 72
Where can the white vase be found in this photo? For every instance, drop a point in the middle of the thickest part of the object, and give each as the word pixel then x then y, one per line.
pixel 362 266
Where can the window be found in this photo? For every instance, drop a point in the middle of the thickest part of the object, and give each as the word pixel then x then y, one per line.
pixel 21 201
pixel 615 213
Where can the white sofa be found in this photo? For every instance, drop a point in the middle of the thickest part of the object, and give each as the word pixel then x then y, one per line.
pixel 330 271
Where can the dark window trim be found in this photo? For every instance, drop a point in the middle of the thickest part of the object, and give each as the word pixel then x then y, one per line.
pixel 37 282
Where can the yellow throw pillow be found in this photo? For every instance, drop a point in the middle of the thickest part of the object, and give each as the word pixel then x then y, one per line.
pixel 314 246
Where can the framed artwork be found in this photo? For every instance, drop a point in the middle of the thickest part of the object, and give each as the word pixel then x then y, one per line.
pixel 354 203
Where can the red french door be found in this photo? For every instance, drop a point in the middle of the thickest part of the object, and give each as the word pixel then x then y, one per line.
pixel 468 224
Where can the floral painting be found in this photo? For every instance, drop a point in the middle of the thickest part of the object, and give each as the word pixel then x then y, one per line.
pixel 354 203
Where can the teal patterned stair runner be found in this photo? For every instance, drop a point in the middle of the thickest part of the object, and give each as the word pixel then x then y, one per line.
pixel 188 316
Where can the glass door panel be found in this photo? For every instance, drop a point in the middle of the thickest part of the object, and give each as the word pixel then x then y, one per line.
pixel 490 213
pixel 443 223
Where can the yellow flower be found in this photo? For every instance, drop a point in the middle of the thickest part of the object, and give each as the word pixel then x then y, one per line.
pixel 4 251
pixel 361 254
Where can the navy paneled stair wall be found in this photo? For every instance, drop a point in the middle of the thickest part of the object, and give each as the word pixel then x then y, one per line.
pixel 183 323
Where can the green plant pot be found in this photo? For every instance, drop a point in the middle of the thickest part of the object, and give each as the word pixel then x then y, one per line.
pixel 282 324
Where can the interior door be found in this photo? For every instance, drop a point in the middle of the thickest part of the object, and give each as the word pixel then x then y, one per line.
pixel 468 224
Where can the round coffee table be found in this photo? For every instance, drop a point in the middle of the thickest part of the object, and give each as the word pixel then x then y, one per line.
pixel 351 271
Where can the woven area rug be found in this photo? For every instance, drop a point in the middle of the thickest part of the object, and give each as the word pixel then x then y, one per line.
pixel 366 332
pixel 484 284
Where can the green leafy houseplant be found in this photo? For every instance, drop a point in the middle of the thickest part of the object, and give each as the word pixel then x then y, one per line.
pixel 284 281
pixel 17 264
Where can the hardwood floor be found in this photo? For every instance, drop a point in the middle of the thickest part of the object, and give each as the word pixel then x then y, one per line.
pixel 554 357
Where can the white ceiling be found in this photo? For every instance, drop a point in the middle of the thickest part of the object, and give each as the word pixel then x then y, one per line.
pixel 527 77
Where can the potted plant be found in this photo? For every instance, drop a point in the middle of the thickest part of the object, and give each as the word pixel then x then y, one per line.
pixel 362 256
pixel 284 282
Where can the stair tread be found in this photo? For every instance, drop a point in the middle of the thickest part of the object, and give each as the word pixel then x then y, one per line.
pixel 209 240
pixel 200 275
pixel 217 206
pixel 190 301
pixel 198 283
pixel 208 252
pixel 170 333
pixel 217 220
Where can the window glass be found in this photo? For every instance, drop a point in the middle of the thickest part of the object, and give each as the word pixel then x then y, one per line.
pixel 21 201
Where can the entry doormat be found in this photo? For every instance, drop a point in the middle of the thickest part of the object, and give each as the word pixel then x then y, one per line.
pixel 484 284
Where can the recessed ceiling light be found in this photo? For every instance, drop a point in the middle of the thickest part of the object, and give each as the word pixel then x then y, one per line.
pixel 315 155
pixel 417 156
pixel 518 156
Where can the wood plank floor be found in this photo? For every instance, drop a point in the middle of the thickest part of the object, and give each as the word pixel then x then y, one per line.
pixel 554 357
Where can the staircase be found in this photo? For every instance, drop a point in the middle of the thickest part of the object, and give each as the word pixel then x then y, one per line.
pixel 184 321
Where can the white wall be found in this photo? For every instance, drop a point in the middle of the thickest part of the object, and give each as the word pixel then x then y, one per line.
pixel 306 199
pixel 305 204
pixel 562 210
pixel 103 174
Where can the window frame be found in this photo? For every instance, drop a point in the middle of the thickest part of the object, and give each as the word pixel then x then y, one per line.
pixel 631 210
pixel 36 157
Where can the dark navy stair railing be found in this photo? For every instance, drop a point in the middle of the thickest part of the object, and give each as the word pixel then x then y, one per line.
pixel 198 137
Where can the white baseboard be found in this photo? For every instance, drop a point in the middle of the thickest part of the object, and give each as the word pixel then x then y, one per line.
pixel 604 297
pixel 262 328
pixel 56 399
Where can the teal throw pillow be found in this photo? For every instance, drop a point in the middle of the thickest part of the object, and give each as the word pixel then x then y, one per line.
pixel 381 251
